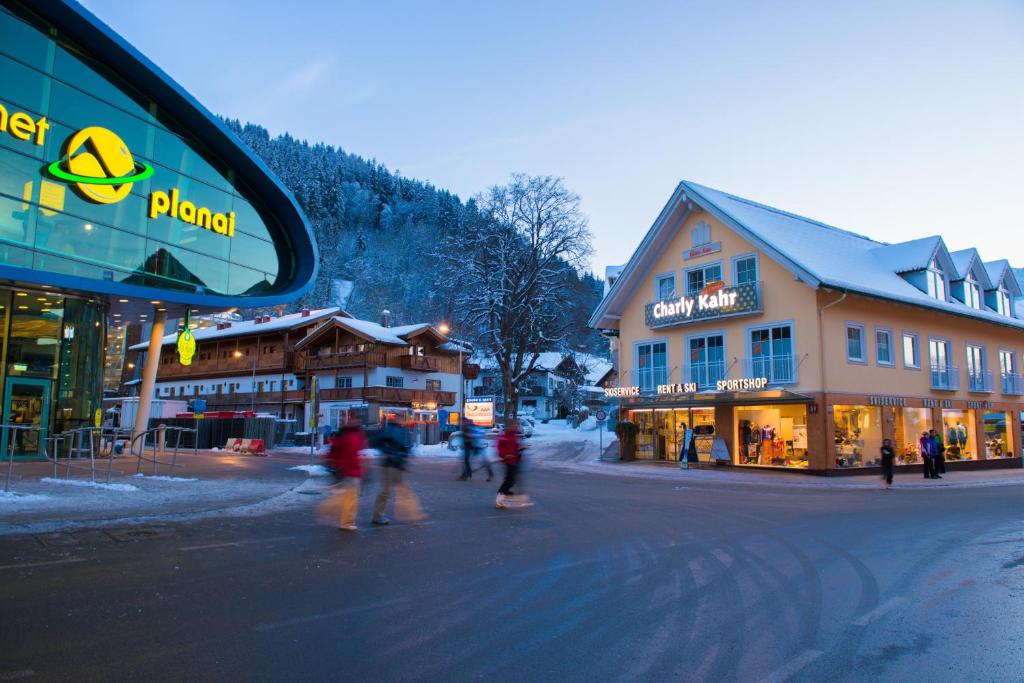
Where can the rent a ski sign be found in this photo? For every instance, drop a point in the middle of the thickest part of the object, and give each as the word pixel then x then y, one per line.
pixel 714 301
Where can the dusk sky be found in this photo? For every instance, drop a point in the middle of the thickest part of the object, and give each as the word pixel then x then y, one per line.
pixel 896 120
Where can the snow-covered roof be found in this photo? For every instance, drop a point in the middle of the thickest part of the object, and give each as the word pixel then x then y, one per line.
pixel 248 327
pixel 1000 272
pixel 968 261
pixel 594 367
pixel 375 332
pixel 818 254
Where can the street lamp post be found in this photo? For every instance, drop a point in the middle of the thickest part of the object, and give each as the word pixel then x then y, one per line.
pixel 252 387
pixel 444 329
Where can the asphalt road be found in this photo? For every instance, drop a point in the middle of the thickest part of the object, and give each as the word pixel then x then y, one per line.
pixel 604 579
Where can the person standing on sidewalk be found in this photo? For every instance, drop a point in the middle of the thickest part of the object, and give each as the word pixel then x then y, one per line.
pixel 888 454
pixel 510 450
pixel 344 461
pixel 940 453
pixel 395 443
pixel 927 446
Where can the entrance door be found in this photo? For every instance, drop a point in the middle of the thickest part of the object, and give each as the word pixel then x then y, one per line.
pixel 26 402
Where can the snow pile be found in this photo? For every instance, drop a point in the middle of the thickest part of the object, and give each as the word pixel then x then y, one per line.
pixel 588 425
pixel 157 477
pixel 437 450
pixel 312 470
pixel 12 497
pixel 89 484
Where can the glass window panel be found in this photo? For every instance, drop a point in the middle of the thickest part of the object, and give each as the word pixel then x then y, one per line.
pixel 17 257
pixel 72 69
pixel 91 242
pixel 22 40
pixel 858 435
pixel 75 109
pixel 173 231
pixel 17 221
pixel 177 155
pixel 67 266
pixel 16 170
pixel 910 353
pixel 23 90
pixel 254 253
pixel 772 436
pixel 746 270
pixel 247 281
pixel 248 220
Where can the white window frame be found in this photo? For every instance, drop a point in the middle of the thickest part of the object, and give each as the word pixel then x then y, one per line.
pixel 657 284
pixel 934 276
pixel 973 297
pixel 389 379
pixel 749 347
pixel 949 352
pixel 636 362
pixel 906 334
pixel 702 267
pixel 1004 306
pixel 700 234
pixel 344 382
pixel 687 361
pixel 743 257
pixel 891 363
pixel 863 359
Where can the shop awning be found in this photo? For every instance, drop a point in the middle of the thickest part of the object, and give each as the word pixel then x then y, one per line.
pixel 714 398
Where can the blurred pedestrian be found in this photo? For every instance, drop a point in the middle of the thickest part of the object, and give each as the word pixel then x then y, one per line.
pixel 510 450
pixel 888 454
pixel 940 453
pixel 395 443
pixel 343 460
pixel 473 445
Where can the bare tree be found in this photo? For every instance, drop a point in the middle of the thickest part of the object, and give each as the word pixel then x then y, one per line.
pixel 509 267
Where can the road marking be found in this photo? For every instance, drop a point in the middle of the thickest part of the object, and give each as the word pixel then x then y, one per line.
pixel 879 612
pixel 15 675
pixel 700 577
pixel 26 565
pixel 234 543
pixel 792 668
pixel 327 615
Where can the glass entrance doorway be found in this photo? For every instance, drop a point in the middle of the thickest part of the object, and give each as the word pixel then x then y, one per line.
pixel 26 404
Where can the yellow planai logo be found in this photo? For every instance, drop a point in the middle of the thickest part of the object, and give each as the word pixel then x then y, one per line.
pixel 99 166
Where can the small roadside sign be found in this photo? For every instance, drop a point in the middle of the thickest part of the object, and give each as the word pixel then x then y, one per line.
pixel 601 415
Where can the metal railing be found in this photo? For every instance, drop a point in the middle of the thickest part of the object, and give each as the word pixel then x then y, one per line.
pixel 778 369
pixel 708 373
pixel 157 436
pixel 945 378
pixel 1012 383
pixel 979 380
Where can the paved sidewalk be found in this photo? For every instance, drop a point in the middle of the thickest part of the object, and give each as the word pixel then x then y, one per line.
pixel 206 483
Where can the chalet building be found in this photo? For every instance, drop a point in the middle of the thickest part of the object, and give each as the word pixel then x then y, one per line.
pixel 766 339
pixel 538 394
pixel 268 365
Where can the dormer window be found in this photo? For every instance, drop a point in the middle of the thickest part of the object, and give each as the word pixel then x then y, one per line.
pixel 972 293
pixel 700 235
pixel 936 282
pixel 1002 298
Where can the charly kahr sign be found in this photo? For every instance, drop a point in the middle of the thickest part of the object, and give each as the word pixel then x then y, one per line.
pixel 714 301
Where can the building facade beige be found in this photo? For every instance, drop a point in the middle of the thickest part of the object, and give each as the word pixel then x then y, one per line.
pixel 752 337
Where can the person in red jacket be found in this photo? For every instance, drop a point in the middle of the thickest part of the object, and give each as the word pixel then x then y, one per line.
pixel 510 450
pixel 344 461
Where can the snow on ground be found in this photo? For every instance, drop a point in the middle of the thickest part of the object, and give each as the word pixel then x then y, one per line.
pixel 90 484
pixel 13 497
pixel 312 470
pixel 160 477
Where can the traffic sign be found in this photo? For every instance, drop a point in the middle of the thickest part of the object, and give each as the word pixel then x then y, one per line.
pixel 601 415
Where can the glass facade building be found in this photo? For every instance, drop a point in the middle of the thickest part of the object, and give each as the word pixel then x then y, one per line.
pixel 118 194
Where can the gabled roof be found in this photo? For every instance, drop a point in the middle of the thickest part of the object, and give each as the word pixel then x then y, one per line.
pixel 815 253
pixel 245 328
pixel 969 261
pixel 374 332
pixel 1000 272
pixel 906 257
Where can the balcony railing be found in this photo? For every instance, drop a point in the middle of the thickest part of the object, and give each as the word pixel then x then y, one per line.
pixel 1012 383
pixel 707 374
pixel 779 369
pixel 650 378
pixel 389 395
pixel 945 378
pixel 980 381
pixel 340 360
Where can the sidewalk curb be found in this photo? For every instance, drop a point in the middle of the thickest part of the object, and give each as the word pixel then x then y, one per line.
pixel 238 510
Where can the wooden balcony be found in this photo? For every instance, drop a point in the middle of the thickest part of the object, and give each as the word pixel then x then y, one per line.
pixel 224 367
pixel 243 399
pixel 340 360
pixel 389 395
pixel 420 363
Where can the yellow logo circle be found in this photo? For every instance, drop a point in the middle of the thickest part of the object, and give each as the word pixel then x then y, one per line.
pixel 96 152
